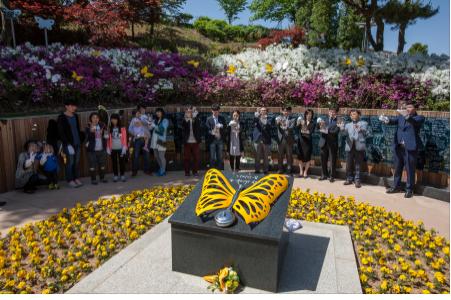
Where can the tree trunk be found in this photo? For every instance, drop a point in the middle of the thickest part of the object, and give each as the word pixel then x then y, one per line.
pixel 379 34
pixel 401 38
pixel 133 30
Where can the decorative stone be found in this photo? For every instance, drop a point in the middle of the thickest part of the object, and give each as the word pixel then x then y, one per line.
pixel 200 247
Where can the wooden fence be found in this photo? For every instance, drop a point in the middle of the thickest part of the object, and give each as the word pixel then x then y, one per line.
pixel 14 132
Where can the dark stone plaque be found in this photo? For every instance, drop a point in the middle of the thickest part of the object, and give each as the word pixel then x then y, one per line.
pixel 200 247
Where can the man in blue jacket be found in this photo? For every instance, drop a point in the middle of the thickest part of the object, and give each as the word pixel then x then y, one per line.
pixel 405 147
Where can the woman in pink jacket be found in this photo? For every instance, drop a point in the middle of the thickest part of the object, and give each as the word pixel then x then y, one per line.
pixel 117 147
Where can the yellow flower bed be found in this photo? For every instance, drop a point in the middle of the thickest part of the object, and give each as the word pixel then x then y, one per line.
pixel 50 256
pixel 394 255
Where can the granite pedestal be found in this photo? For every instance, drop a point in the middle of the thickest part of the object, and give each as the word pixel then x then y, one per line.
pixel 199 247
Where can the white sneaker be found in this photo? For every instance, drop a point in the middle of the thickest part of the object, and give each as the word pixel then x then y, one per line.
pixel 78 183
pixel 73 184
pixel 115 179
pixel 123 179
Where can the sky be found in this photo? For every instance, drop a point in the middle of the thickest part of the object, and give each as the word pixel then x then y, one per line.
pixel 433 32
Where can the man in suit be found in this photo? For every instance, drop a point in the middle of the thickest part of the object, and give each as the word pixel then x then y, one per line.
pixel 406 143
pixel 285 138
pixel 356 132
pixel 261 137
pixel 216 136
pixel 328 143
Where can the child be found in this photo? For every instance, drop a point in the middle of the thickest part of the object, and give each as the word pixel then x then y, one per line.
pixel 49 162
pixel 117 147
pixel 96 147
pixel 140 135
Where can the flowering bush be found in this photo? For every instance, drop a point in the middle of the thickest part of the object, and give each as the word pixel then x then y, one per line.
pixel 353 90
pixel 50 256
pixel 294 36
pixel 303 64
pixel 91 75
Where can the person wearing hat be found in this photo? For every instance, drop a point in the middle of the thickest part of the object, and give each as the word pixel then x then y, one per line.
pixel 328 143
pixel 406 143
pixel 71 137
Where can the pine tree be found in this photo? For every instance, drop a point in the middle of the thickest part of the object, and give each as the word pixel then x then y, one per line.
pixel 349 34
pixel 404 13
pixel 323 23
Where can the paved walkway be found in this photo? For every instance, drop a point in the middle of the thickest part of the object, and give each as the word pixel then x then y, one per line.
pixel 22 208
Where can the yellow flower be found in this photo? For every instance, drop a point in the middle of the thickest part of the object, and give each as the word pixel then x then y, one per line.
pixel 402 277
pixel 384 285
pixel 396 289
pixel 397 248
pixel 439 277
pixel 145 72
pixel 348 61
pixel 445 250
pixel 268 68
pixel 21 285
pixel 194 63
pixel 360 61
pixel 417 262
pixel 96 53
pixel 430 285
pixel 407 289
pixel 231 70
pixel 425 292
pixel 76 76
pixel 363 278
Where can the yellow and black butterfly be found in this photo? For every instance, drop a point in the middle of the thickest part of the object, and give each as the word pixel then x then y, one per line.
pixel 253 204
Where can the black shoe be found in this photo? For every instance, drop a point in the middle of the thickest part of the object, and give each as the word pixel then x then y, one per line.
pixel 322 178
pixel 331 179
pixel 134 173
pixel 348 182
pixel 94 182
pixel 266 172
pixel 196 174
pixel 358 184
pixel 300 176
pixel 257 172
pixel 408 194
pixel 394 191
pixel 29 191
pixel 187 174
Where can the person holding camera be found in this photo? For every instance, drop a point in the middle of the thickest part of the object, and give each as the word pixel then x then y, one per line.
pixel 285 139
pixel 328 143
pixel 261 137
pixel 191 135
pixel 356 132
pixel 406 143
pixel 216 137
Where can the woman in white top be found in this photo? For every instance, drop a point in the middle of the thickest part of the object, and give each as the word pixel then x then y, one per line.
pixel 158 142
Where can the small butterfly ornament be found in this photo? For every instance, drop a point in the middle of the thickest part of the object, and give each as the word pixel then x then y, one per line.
pixel 253 203
pixel 11 13
pixel 46 24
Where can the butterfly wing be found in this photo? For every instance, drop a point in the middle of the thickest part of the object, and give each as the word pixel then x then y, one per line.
pixel 217 193
pixel 254 203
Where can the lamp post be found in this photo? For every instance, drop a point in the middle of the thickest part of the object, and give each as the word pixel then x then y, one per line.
pixel 362 25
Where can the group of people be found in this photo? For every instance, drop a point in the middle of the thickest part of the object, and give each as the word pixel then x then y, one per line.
pixel 145 134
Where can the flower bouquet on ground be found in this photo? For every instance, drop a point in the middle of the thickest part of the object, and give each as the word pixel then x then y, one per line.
pixel 226 281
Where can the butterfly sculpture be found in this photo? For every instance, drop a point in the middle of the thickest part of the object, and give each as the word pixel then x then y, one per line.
pixel 253 204
pixel 11 13
pixel 44 23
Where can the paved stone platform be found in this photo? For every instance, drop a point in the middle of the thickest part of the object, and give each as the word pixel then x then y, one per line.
pixel 320 259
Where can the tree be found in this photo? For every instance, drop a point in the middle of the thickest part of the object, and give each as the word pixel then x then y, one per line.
pixel 275 10
pixel 418 48
pixel 349 34
pixel 232 8
pixel 303 14
pixel 405 13
pixel 102 20
pixel 371 10
pixel 323 23
pixel 141 11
